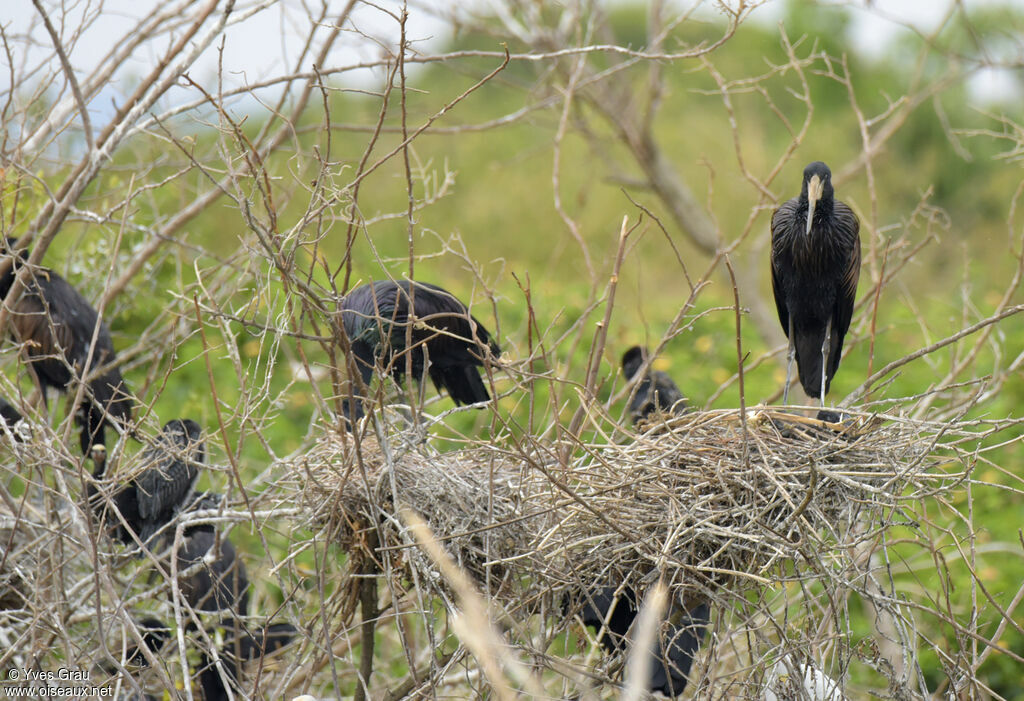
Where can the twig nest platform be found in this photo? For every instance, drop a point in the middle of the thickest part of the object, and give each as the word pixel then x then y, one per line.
pixel 705 500
pixel 350 487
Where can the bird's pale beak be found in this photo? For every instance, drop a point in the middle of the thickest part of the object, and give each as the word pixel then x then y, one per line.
pixel 815 188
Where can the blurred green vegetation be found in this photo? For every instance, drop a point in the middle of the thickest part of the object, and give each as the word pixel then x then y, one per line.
pixel 500 214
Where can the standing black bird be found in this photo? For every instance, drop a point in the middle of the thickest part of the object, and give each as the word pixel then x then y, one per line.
pixel 151 500
pixel 55 326
pixel 815 266
pixel 613 612
pixel 654 392
pixel 171 473
pixel 447 342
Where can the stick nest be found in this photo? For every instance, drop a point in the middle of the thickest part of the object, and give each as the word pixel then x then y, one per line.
pixel 706 500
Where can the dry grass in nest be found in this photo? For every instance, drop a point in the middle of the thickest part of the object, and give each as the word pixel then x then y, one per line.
pixel 452 491
pixel 706 500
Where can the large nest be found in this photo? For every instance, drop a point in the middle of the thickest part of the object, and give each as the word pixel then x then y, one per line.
pixel 705 500
pixel 350 487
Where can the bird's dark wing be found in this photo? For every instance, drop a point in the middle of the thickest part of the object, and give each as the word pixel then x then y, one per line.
pixel 848 232
pixel 361 308
pixel 675 650
pixel 442 311
pixel 783 220
pixel 163 485
pixel 73 312
pixel 41 327
pixel 607 605
pixel 218 583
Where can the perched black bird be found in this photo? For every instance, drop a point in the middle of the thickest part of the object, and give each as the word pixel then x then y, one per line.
pixel 216 582
pixel 447 342
pixel 151 500
pixel 815 266
pixel 117 509
pixel 172 470
pixel 654 392
pixel 673 649
pixel 55 326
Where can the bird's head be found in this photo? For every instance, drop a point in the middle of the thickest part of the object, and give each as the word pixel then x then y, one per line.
pixel 632 360
pixel 817 186
pixel 187 434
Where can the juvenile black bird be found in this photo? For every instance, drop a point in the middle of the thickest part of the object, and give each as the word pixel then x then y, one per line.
pixel 815 265
pixel 215 581
pixel 55 326
pixel 654 392
pixel 117 507
pixel 447 342
pixel 673 650
pixel 172 470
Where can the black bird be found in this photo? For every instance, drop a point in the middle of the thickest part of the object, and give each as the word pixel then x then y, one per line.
pixel 107 505
pixel 55 326
pixel 673 649
pixel 448 343
pixel 151 500
pixel 654 392
pixel 215 581
pixel 815 265
pixel 172 470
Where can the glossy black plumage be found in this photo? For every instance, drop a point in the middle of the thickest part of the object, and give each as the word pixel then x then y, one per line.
pixel 447 342
pixel 55 326
pixel 674 648
pixel 655 391
pixel 815 265
pixel 172 470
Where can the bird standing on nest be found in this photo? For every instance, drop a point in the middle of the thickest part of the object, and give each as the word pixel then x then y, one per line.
pixel 56 326
pixel 655 391
pixel 815 263
pixel 447 342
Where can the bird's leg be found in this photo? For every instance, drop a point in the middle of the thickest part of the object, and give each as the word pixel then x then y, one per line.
pixel 826 348
pixel 790 355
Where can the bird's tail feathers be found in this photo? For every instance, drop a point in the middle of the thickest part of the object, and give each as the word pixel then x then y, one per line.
pixel 808 363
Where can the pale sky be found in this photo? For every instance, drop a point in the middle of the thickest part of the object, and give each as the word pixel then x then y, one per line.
pixel 262 44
